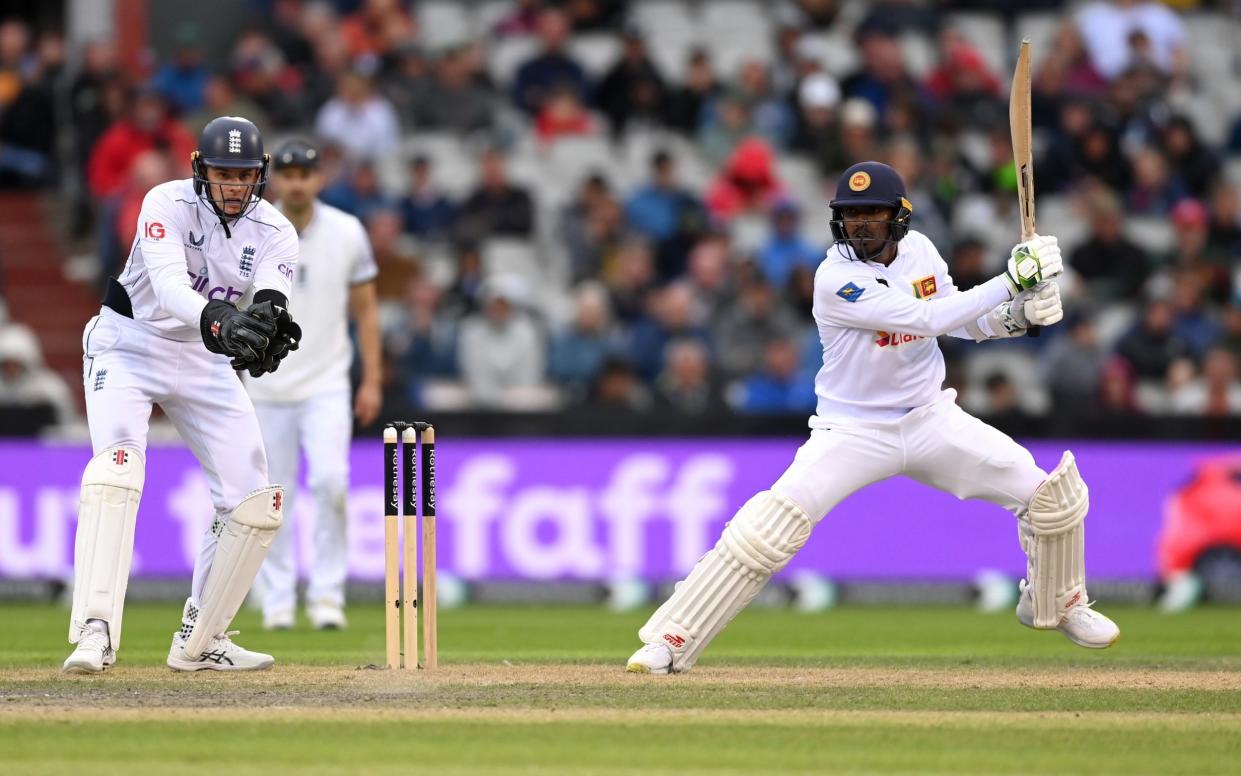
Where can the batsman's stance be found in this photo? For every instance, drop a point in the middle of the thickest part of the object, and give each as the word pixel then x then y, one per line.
pixel 171 333
pixel 881 297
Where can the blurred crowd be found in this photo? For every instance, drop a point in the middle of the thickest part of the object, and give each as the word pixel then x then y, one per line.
pixel 623 203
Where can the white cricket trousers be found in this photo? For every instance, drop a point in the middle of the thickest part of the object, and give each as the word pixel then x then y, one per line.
pixel 320 427
pixel 939 444
pixel 127 369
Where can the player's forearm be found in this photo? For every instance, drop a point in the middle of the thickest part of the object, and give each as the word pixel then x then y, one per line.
pixel 173 292
pixel 364 306
pixel 934 317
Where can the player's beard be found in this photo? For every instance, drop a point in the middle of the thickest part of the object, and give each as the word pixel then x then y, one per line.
pixel 866 245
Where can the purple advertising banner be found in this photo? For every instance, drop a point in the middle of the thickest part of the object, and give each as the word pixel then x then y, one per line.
pixel 598 509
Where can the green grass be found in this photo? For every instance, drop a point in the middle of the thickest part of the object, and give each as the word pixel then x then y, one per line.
pixel 536 690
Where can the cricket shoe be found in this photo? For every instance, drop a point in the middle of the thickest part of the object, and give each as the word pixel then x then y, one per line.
pixel 326 616
pixel 1082 625
pixel 651 659
pixel 221 654
pixel 94 651
pixel 278 621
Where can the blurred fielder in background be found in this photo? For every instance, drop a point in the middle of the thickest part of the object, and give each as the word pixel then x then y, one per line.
pixel 881 297
pixel 203 246
pixel 306 406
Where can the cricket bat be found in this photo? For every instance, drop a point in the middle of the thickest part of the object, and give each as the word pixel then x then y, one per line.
pixel 1019 126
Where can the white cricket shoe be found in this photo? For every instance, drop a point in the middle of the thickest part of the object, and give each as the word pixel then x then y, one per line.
pixel 282 620
pixel 1082 625
pixel 651 659
pixel 93 652
pixel 325 615
pixel 221 654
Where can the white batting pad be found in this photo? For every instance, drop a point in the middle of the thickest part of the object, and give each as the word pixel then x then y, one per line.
pixel 245 538
pixel 759 541
pixel 104 545
pixel 1055 543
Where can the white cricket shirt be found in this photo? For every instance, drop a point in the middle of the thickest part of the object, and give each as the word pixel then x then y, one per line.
pixel 878 325
pixel 181 258
pixel 335 254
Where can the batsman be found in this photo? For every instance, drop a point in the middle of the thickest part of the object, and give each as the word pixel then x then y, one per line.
pixel 204 294
pixel 881 297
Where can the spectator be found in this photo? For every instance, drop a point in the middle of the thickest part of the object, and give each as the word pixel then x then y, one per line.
pixel 1190 222
pixel 357 192
pixel 786 248
pixel 1223 245
pixel 465 295
pixel 631 279
pixel 668 214
pixel 427 212
pixel 747 184
pixel 968 263
pixel 859 134
pixel 408 84
pixel 120 211
pixel 1073 368
pixel 1193 324
pixel 262 76
pixel 769 112
pixel 818 127
pixel 1003 407
pixel 1118 388
pixel 28 82
pixel 618 387
pixel 1064 163
pixel 591 228
pixel 501 350
pixel 361 121
pixel 551 68
pixel 1195 164
pixel 962 88
pixel 1217 394
pixel 1101 157
pixel 291 26
pixel 221 99
pixel 1155 188
pixel 809 14
pixel 882 78
pixel 633 89
pixel 378 28
pixel 1116 32
pixel 671 315
pixel 424 341
pixel 779 387
pixel 579 351
pixel 725 122
pixel 562 115
pixel 906 157
pixel 758 316
pixel 394 254
pixel 710 276
pixel 1112 265
pixel 595 15
pixel 523 20
pixel 686 103
pixel 1063 73
pixel 1151 345
pixel 685 384
pixel 1232 328
pixel 497 207
pixel 145 127
pixel 181 82
pixel 26 384
pixel 453 100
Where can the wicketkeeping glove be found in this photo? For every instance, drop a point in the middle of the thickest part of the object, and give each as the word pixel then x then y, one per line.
pixel 286 339
pixel 229 331
pixel 1033 262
